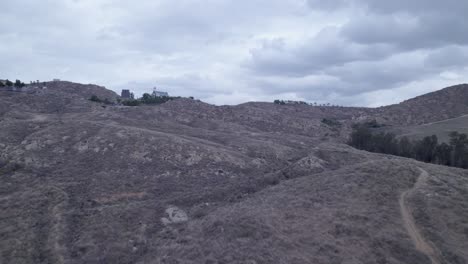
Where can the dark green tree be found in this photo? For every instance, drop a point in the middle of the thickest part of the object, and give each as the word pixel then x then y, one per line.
pixel 443 154
pixel 425 148
pixel 146 97
pixel 9 83
pixel 387 143
pixel 131 102
pixel 405 148
pixel 459 143
pixel 361 138
pixel 94 98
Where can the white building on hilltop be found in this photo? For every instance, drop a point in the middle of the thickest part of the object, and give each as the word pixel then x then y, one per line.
pixel 157 93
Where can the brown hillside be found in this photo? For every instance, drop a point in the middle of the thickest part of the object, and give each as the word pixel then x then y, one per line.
pixel 189 182
pixel 436 106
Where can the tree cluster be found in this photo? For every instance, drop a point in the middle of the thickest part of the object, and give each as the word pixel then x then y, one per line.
pixel 131 102
pixel 291 102
pixel 148 99
pixel 9 83
pixel 428 149
pixel 151 99
pixel 280 102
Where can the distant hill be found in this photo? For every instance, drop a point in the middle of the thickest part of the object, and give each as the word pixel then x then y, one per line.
pixel 190 182
pixel 436 106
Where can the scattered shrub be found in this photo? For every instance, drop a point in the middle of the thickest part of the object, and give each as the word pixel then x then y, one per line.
pixel 331 122
pixel 373 124
pixel 9 167
pixel 148 99
pixel 131 103
pixel 95 98
pixel 18 83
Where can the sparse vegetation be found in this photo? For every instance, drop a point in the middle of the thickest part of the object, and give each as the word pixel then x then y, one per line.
pixel 9 167
pixel 280 102
pixel 8 83
pixel 427 149
pixel 331 122
pixel 159 183
pixel 373 124
pixel 132 102
pixel 18 83
pixel 148 99
pixel 95 98
pixel 290 102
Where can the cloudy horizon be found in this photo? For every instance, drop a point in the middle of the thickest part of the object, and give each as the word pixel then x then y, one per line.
pixel 346 52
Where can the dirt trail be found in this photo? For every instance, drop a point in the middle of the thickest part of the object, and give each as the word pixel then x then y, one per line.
pixel 419 241
pixel 445 120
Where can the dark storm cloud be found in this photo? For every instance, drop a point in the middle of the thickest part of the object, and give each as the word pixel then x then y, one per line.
pixel 408 32
pixel 382 45
pixel 326 49
pixel 408 24
pixel 450 56
pixel 385 7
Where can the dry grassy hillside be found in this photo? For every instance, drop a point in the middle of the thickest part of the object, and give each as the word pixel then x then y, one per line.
pixel 188 182
pixel 441 129
pixel 447 103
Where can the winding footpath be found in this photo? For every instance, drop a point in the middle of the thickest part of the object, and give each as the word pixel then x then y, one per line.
pixel 419 241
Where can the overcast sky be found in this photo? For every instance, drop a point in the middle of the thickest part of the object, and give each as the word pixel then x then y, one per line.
pixel 347 52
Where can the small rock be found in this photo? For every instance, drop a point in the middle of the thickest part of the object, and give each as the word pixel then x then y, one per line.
pixel 175 216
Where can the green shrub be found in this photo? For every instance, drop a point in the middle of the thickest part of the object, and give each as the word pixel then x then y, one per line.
pixel 131 102
pixel 95 98
pixel 151 100
pixel 373 124
pixel 331 122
